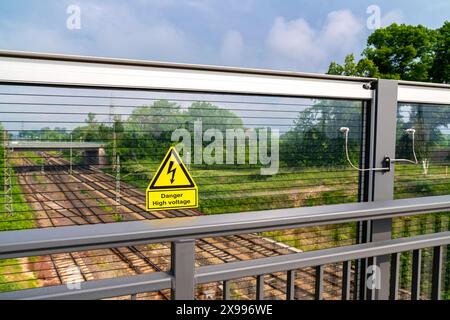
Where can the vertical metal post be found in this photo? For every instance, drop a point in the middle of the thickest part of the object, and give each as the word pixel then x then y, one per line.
pixel 395 274
pixel 290 285
pixel 365 182
pixel 416 274
pixel 384 122
pixel 226 290
pixel 260 287
pixel 361 265
pixel 372 273
pixel 114 150
pixel 346 275
pixel 112 120
pixel 7 176
pixel 183 269
pixel 118 185
pixel 436 274
pixel 71 141
pixel 319 283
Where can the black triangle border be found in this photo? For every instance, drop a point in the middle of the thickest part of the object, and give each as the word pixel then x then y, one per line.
pixel 163 165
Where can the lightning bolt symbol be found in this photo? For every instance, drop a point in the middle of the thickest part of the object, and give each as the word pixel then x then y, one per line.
pixel 170 170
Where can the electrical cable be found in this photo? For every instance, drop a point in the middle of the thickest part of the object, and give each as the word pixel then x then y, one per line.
pixel 346 130
pixel 413 133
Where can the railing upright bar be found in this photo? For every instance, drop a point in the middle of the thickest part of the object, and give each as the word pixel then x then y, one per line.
pixel 436 273
pixel 373 281
pixel 260 287
pixel 290 285
pixel 416 274
pixel 226 290
pixel 318 293
pixel 183 269
pixel 384 123
pixel 395 274
pixel 346 277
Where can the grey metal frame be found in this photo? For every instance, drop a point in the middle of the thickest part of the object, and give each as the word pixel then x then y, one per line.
pixel 382 187
pixel 224 272
pixel 381 97
pixel 182 232
pixel 33 242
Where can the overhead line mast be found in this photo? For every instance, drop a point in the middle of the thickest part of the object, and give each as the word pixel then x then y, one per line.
pixel 7 175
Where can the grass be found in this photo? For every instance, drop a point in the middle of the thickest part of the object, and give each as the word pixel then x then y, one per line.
pixel 237 189
pixel 410 182
pixel 22 217
pixel 12 274
pixel 32 156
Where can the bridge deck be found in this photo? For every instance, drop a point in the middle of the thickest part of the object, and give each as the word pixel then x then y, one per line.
pixel 54 145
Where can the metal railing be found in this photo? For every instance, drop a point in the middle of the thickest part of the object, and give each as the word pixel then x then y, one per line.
pixel 374 214
pixel 182 233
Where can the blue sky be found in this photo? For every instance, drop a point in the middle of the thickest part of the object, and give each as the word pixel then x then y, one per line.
pixel 290 35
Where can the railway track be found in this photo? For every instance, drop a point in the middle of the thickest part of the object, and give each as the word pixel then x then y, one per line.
pixel 70 262
pixel 248 246
pixel 131 256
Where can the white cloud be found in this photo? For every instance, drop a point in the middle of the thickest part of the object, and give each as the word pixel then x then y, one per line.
pixel 312 49
pixel 232 48
pixel 341 32
pixel 121 31
pixel 294 39
pixel 107 30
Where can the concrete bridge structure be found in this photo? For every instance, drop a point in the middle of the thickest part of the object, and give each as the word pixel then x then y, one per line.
pixel 94 152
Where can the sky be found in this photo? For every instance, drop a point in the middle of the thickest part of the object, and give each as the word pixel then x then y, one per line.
pixel 288 35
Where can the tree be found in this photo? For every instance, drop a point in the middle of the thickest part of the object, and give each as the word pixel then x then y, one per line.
pixel 440 71
pixel 158 119
pixel 315 138
pixel 364 67
pixel 402 52
pixel 90 118
pixel 212 117
pixel 408 53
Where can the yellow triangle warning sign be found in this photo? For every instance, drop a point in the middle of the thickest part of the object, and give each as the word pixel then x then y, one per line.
pixel 172 186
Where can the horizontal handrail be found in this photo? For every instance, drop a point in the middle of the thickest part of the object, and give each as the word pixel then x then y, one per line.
pixel 77 238
pixel 171 65
pixel 85 71
pixel 108 288
pixel 417 92
pixel 57 70
pixel 96 289
pixel 228 271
